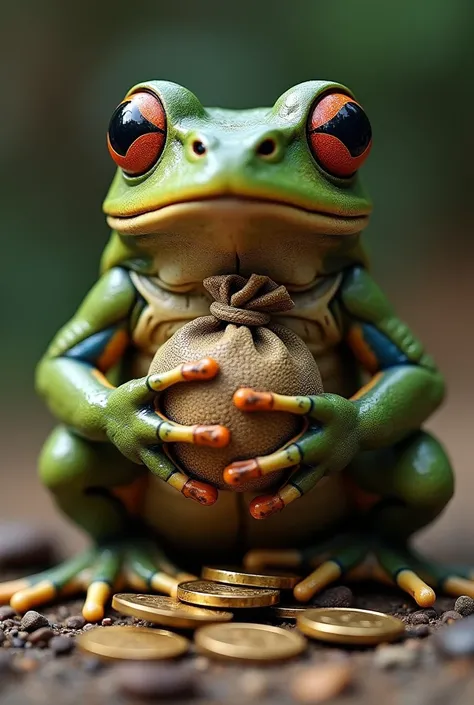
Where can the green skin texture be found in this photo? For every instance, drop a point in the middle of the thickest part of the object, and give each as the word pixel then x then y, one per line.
pixel 106 435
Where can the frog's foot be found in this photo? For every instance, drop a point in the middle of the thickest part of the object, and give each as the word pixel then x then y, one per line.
pixel 359 557
pixel 98 572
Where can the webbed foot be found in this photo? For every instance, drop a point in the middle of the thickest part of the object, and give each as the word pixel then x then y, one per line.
pixel 361 557
pixel 98 571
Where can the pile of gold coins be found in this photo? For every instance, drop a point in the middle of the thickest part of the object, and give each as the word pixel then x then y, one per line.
pixel 203 606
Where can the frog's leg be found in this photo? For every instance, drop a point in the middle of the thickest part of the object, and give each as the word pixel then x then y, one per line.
pixel 400 490
pixel 88 481
pixel 412 491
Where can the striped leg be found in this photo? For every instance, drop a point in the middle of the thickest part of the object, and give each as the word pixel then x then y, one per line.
pixel 98 572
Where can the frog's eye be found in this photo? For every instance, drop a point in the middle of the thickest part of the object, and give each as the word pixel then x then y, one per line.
pixel 339 134
pixel 137 133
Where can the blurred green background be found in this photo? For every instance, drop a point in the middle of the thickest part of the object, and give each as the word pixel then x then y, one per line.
pixel 65 66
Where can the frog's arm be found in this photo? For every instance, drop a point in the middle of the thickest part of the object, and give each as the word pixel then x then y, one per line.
pixel 404 390
pixel 405 387
pixel 71 375
pixel 72 378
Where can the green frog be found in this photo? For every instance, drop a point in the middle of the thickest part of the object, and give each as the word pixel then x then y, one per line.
pixel 274 191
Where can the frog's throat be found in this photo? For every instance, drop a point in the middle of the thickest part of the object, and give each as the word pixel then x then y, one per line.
pixel 171 218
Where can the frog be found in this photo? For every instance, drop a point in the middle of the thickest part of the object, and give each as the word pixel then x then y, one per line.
pixel 200 192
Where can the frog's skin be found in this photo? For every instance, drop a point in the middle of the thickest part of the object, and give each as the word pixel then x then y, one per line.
pixel 240 191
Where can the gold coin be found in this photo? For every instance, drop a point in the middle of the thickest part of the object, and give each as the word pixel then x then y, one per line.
pixel 132 643
pixel 349 626
pixel 165 610
pixel 271 579
pixel 249 642
pixel 209 594
pixel 288 611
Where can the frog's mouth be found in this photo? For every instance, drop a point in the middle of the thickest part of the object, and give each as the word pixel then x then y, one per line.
pixel 235 212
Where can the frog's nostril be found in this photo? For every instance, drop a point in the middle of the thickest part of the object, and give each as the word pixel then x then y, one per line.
pixel 199 148
pixel 267 148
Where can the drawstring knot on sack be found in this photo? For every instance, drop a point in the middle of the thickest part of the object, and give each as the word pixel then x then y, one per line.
pixel 247 302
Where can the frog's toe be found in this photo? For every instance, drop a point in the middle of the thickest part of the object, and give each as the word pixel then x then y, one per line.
pixel 33 596
pixel 411 573
pixel 457 585
pixel 147 568
pixel 410 582
pixel 325 574
pixel 135 565
pixel 330 559
pixel 102 579
pixel 39 589
pixel 10 588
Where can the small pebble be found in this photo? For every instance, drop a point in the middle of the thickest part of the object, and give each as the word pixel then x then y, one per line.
pixel 33 620
pixel 464 605
pixel 92 665
pixel 321 683
pixel 201 663
pixel 17 643
pixel 6 612
pixel 2 636
pixel 27 665
pixel 45 634
pixel 431 613
pixel 339 596
pixel 413 644
pixel 418 631
pixel 253 684
pixel 419 618
pixel 107 622
pixel 60 645
pixel 457 639
pixel 88 627
pixel 395 657
pixel 450 616
pixel 5 663
pixel 146 680
pixel 77 621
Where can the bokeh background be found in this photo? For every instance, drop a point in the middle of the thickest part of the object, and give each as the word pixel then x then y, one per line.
pixel 65 65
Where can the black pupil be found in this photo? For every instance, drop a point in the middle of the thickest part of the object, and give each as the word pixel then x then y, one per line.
pixel 128 124
pixel 350 125
pixel 199 148
pixel 267 147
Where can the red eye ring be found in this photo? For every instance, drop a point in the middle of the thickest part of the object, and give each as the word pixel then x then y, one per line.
pixel 137 133
pixel 339 134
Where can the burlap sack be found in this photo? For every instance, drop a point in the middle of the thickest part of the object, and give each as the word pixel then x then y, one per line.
pixel 253 352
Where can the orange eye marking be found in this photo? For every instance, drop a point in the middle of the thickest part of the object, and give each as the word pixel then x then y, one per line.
pixel 339 134
pixel 137 132
pixel 328 108
pixel 150 107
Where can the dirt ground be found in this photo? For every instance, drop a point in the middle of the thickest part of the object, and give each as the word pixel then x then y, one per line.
pixel 413 670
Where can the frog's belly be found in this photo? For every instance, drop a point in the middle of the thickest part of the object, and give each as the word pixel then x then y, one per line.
pixel 226 528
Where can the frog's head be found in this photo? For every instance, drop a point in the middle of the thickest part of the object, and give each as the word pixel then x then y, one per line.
pixel 185 170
